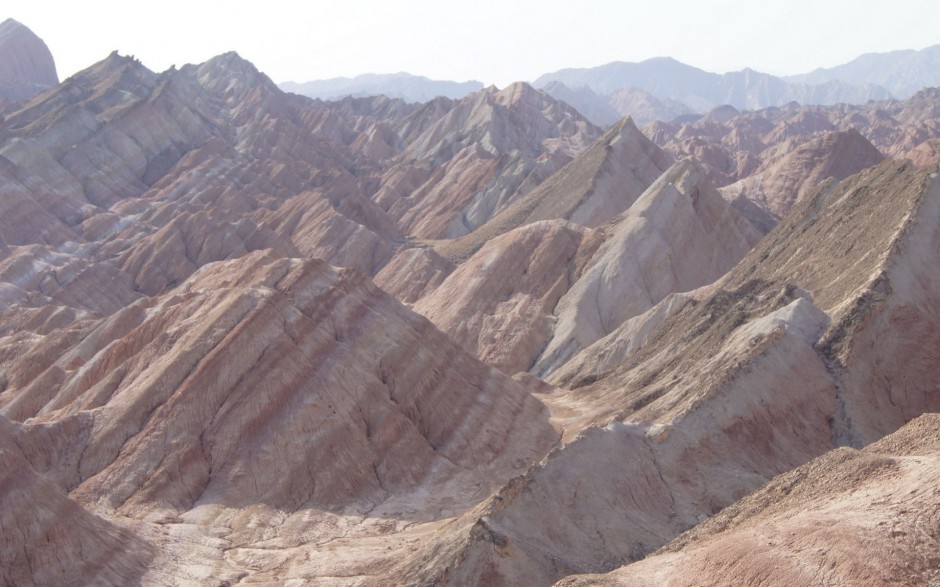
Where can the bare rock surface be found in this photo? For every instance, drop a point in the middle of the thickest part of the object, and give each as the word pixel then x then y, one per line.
pixel 186 374
pixel 764 371
pixel 533 297
pixel 926 154
pixel 160 174
pixel 611 350
pixel 49 539
pixel 165 428
pixel 261 309
pixel 679 235
pixel 779 183
pixel 476 158
pixel 413 273
pixel 850 517
pixel 603 181
pixel 499 304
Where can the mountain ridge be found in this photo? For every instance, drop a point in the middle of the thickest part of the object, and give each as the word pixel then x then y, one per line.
pixel 671 86
pixel 668 79
pixel 903 72
pixel 197 365
pixel 411 88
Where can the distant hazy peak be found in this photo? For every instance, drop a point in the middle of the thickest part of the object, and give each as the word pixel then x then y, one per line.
pixel 669 80
pixel 408 87
pixel 26 64
pixel 903 72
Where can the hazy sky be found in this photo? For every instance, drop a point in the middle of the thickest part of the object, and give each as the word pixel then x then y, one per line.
pixel 495 42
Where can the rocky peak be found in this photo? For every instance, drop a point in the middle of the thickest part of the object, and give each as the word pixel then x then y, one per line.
pixel 231 62
pixel 518 92
pixel 597 185
pixel 26 64
pixel 783 180
pixel 100 92
pixel 231 75
pixel 124 72
pixel 679 235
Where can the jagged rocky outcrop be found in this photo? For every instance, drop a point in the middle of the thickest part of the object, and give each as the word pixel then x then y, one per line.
pixel 478 157
pixel 164 425
pixel 26 64
pixel 499 304
pixel 167 172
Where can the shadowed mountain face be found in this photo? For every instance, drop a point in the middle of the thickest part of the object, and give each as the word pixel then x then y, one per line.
pixel 26 65
pixel 48 539
pixel 201 384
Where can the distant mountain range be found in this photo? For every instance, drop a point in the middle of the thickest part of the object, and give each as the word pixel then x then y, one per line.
pixel 663 88
pixel 666 79
pixel 410 88
pixel 903 73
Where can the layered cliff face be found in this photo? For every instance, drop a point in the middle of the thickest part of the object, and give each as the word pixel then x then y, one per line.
pixel 601 182
pixel 134 277
pixel 533 297
pixel 26 65
pixel 283 319
pixel 500 303
pixel 162 173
